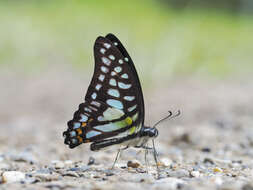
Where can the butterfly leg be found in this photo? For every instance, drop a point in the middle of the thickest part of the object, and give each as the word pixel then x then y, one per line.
pixel 155 158
pixel 117 156
pixel 146 159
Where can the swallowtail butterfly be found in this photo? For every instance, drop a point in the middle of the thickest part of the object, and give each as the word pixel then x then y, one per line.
pixel 113 111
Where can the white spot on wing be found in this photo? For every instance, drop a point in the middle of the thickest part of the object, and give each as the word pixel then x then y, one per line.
pixel 132 108
pixel 101 118
pixel 88 109
pixel 126 59
pixel 112 82
pixel 104 69
pixel 72 134
pixel 113 92
pixel 123 85
pixel 118 69
pixel 113 73
pixel 112 113
pixel 115 103
pixel 102 50
pixel 106 61
pixel 84 118
pixel 129 98
pixel 107 45
pixel 76 125
pixel 98 86
pixel 121 61
pixel 115 43
pixel 94 95
pixel 124 76
pixel 95 103
pixel 111 57
pixel 101 78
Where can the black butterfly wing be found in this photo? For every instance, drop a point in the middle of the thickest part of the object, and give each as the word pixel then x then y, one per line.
pixel 114 102
pixel 135 78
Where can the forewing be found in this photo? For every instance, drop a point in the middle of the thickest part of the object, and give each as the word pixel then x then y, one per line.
pixel 114 102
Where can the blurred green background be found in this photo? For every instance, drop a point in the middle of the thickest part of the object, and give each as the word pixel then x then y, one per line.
pixel 165 38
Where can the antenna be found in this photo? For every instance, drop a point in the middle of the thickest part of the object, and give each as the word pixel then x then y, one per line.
pixel 169 116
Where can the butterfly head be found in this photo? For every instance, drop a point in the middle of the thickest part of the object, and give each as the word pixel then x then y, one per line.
pixel 149 132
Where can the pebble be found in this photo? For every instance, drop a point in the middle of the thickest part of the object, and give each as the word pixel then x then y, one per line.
pixel 46 177
pixel 166 162
pixel 71 174
pixel 91 161
pixel 58 164
pixel 179 173
pixel 133 164
pixel 195 173
pixel 68 162
pixel 12 176
pixel 217 169
pixel 24 157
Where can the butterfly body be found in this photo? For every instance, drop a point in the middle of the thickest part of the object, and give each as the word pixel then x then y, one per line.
pixel 113 111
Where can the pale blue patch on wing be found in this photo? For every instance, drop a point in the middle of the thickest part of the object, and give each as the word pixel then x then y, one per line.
pixel 114 92
pixel 111 57
pixel 74 141
pixel 123 85
pixel 112 113
pixel 118 69
pixel 112 82
pixel 106 61
pixel 121 61
pixel 84 118
pixel 87 109
pixel 129 98
pixel 112 126
pixel 91 134
pixel 76 125
pixel 101 78
pixel 72 133
pixel 124 76
pixel 104 69
pixel 115 103
pixel 94 95
pixel 135 116
pixel 132 108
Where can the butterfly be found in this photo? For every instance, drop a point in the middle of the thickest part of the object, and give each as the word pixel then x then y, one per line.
pixel 113 111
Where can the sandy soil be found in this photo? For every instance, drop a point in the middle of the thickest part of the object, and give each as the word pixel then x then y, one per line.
pixel 210 146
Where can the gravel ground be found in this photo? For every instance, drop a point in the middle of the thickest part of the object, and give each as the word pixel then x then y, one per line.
pixel 210 146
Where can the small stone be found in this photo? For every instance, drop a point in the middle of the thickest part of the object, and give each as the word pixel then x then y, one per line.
pixel 71 174
pixel 133 164
pixel 91 161
pixel 217 169
pixel 179 173
pixel 47 177
pixel 208 161
pixel 68 162
pixel 166 162
pixel 58 164
pixel 206 149
pixel 195 173
pixel 12 176
pixel 25 157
